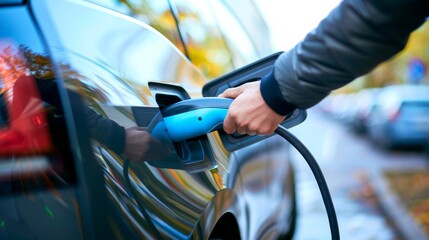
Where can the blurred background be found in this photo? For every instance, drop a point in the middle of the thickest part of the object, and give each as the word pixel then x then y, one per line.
pixel 371 138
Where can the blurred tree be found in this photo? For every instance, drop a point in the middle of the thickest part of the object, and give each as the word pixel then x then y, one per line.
pixel 12 66
pixel 395 71
pixel 206 46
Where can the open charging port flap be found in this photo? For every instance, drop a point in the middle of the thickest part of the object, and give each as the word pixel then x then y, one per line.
pixel 192 155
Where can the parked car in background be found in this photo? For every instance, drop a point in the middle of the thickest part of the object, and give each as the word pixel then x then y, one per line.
pixel 340 106
pixel 401 116
pixel 76 78
pixel 427 146
pixel 365 103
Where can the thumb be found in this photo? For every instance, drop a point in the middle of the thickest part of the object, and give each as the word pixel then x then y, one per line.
pixel 231 92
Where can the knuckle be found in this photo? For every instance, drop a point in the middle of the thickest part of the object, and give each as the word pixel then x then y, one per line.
pixel 254 127
pixel 234 115
pixel 242 123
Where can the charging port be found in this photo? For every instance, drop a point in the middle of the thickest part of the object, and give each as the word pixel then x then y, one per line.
pixel 194 154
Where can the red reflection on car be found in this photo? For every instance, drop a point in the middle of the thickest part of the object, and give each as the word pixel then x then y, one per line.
pixel 27 129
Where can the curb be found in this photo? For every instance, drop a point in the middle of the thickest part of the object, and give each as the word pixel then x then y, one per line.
pixel 394 210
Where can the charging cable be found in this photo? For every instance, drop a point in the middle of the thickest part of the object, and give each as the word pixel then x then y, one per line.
pixel 320 179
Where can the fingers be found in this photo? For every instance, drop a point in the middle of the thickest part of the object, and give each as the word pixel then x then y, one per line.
pixel 229 125
pixel 249 114
pixel 232 122
pixel 232 92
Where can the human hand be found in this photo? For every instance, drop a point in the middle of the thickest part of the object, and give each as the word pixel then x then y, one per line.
pixel 249 113
pixel 141 146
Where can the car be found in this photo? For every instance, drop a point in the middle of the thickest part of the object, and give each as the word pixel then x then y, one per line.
pixel 400 117
pixel 76 79
pixel 365 104
pixel 340 106
pixel 427 146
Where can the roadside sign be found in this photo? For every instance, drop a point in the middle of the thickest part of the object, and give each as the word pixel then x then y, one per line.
pixel 416 70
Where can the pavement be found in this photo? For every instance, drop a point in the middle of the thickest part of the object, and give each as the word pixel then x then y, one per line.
pixel 365 205
pixel 394 210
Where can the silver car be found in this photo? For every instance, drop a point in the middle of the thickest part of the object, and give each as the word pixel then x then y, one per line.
pixel 401 116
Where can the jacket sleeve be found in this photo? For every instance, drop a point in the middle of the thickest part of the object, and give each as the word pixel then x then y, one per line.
pixel 349 42
pixel 105 131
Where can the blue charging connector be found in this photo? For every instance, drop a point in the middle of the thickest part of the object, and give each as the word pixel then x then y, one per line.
pixel 191 118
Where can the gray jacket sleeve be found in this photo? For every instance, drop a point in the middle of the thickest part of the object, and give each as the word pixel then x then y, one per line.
pixel 349 42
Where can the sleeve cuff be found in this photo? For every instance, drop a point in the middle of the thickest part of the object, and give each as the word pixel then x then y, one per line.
pixel 272 95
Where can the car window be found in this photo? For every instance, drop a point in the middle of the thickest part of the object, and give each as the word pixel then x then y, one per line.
pixel 215 40
pixel 248 14
pixel 155 13
pixel 413 109
pixel 238 41
pixel 34 143
pixel 206 46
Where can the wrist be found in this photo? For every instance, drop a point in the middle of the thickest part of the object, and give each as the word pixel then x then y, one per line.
pixel 272 95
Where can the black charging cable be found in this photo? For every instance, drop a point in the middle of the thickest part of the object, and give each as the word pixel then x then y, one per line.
pixel 320 179
pixel 140 205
